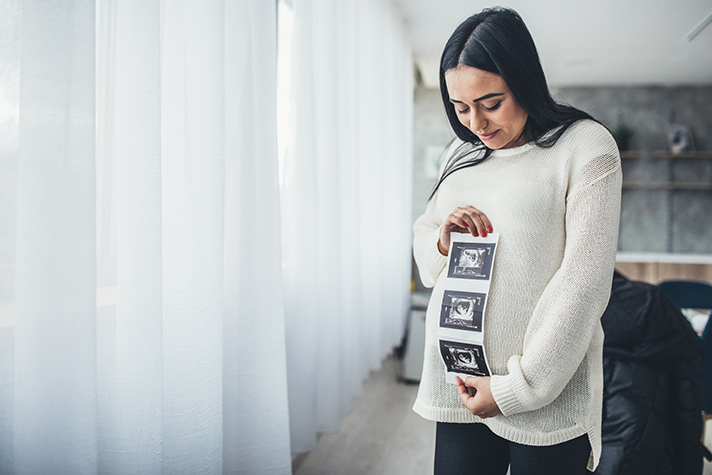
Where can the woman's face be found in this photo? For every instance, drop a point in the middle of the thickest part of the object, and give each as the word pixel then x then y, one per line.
pixel 485 105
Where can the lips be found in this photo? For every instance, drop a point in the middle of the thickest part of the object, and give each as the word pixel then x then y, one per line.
pixel 486 138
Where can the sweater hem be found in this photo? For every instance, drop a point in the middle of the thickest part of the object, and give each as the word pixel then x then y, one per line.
pixel 500 428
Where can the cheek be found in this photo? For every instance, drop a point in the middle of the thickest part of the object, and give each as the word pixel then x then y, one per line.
pixel 515 119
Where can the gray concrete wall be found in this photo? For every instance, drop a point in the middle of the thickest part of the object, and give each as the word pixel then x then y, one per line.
pixel 651 220
pixel 432 133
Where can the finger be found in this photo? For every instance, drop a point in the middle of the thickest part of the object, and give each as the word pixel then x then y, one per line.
pixel 480 224
pixel 471 382
pixel 461 388
pixel 487 223
pixel 470 224
pixel 465 397
pixel 455 223
pixel 462 219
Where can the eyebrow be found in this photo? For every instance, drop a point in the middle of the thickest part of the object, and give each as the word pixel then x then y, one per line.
pixel 486 96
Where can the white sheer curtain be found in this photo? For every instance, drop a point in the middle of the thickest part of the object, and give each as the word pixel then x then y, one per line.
pixel 346 206
pixel 141 308
pixel 142 298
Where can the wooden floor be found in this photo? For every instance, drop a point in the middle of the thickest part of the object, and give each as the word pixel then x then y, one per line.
pixel 383 436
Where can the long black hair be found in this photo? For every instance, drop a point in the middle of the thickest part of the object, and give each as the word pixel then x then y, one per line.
pixel 497 40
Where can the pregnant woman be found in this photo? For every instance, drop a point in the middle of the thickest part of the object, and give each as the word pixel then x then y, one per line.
pixel 547 178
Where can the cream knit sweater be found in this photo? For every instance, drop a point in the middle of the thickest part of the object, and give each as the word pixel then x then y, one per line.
pixel 557 212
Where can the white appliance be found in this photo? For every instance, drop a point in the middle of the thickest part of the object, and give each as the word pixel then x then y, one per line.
pixel 415 344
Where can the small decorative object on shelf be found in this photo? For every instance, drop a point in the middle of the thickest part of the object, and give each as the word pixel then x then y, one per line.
pixel 622 135
pixel 680 139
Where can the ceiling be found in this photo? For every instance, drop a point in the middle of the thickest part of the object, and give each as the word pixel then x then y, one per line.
pixel 602 42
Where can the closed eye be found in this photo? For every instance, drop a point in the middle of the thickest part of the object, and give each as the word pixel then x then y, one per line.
pixel 464 111
pixel 494 107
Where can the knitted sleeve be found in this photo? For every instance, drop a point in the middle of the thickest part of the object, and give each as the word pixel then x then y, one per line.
pixel 565 317
pixel 426 232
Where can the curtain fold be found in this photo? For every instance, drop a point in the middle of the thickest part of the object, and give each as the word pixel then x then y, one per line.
pixel 193 214
pixel 130 124
pixel 256 420
pixel 346 229
pixel 55 338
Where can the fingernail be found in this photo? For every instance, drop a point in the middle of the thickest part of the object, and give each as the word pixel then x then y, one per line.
pixel 489 228
pixel 484 234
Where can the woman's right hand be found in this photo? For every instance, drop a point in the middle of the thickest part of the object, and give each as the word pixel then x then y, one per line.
pixel 463 220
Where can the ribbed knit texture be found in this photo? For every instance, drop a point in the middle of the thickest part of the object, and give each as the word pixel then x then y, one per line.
pixel 557 212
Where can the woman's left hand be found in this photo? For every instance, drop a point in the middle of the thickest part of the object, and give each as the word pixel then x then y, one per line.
pixel 482 404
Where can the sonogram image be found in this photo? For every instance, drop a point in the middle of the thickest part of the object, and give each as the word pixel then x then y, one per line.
pixel 462 310
pixel 471 260
pixel 464 358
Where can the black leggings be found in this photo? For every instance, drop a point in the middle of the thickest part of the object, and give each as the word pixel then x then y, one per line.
pixel 462 449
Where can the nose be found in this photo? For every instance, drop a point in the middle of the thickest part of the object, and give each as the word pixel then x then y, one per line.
pixel 478 122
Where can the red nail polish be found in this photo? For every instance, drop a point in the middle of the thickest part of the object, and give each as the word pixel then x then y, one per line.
pixel 483 234
pixel 489 228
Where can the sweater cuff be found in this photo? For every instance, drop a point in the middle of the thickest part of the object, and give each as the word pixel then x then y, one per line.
pixel 437 260
pixel 503 389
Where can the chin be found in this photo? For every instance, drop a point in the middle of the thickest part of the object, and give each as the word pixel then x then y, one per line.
pixel 499 145
pixel 495 144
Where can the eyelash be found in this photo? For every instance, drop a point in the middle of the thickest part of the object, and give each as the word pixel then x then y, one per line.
pixel 489 109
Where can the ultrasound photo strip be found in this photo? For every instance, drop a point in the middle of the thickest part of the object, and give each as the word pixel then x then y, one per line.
pixel 463 306
pixel 464 358
pixel 471 260
pixel 462 310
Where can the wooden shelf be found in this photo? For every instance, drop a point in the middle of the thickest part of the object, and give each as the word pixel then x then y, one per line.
pixel 664 154
pixel 689 155
pixel 692 186
pixel 633 154
pixel 666 185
